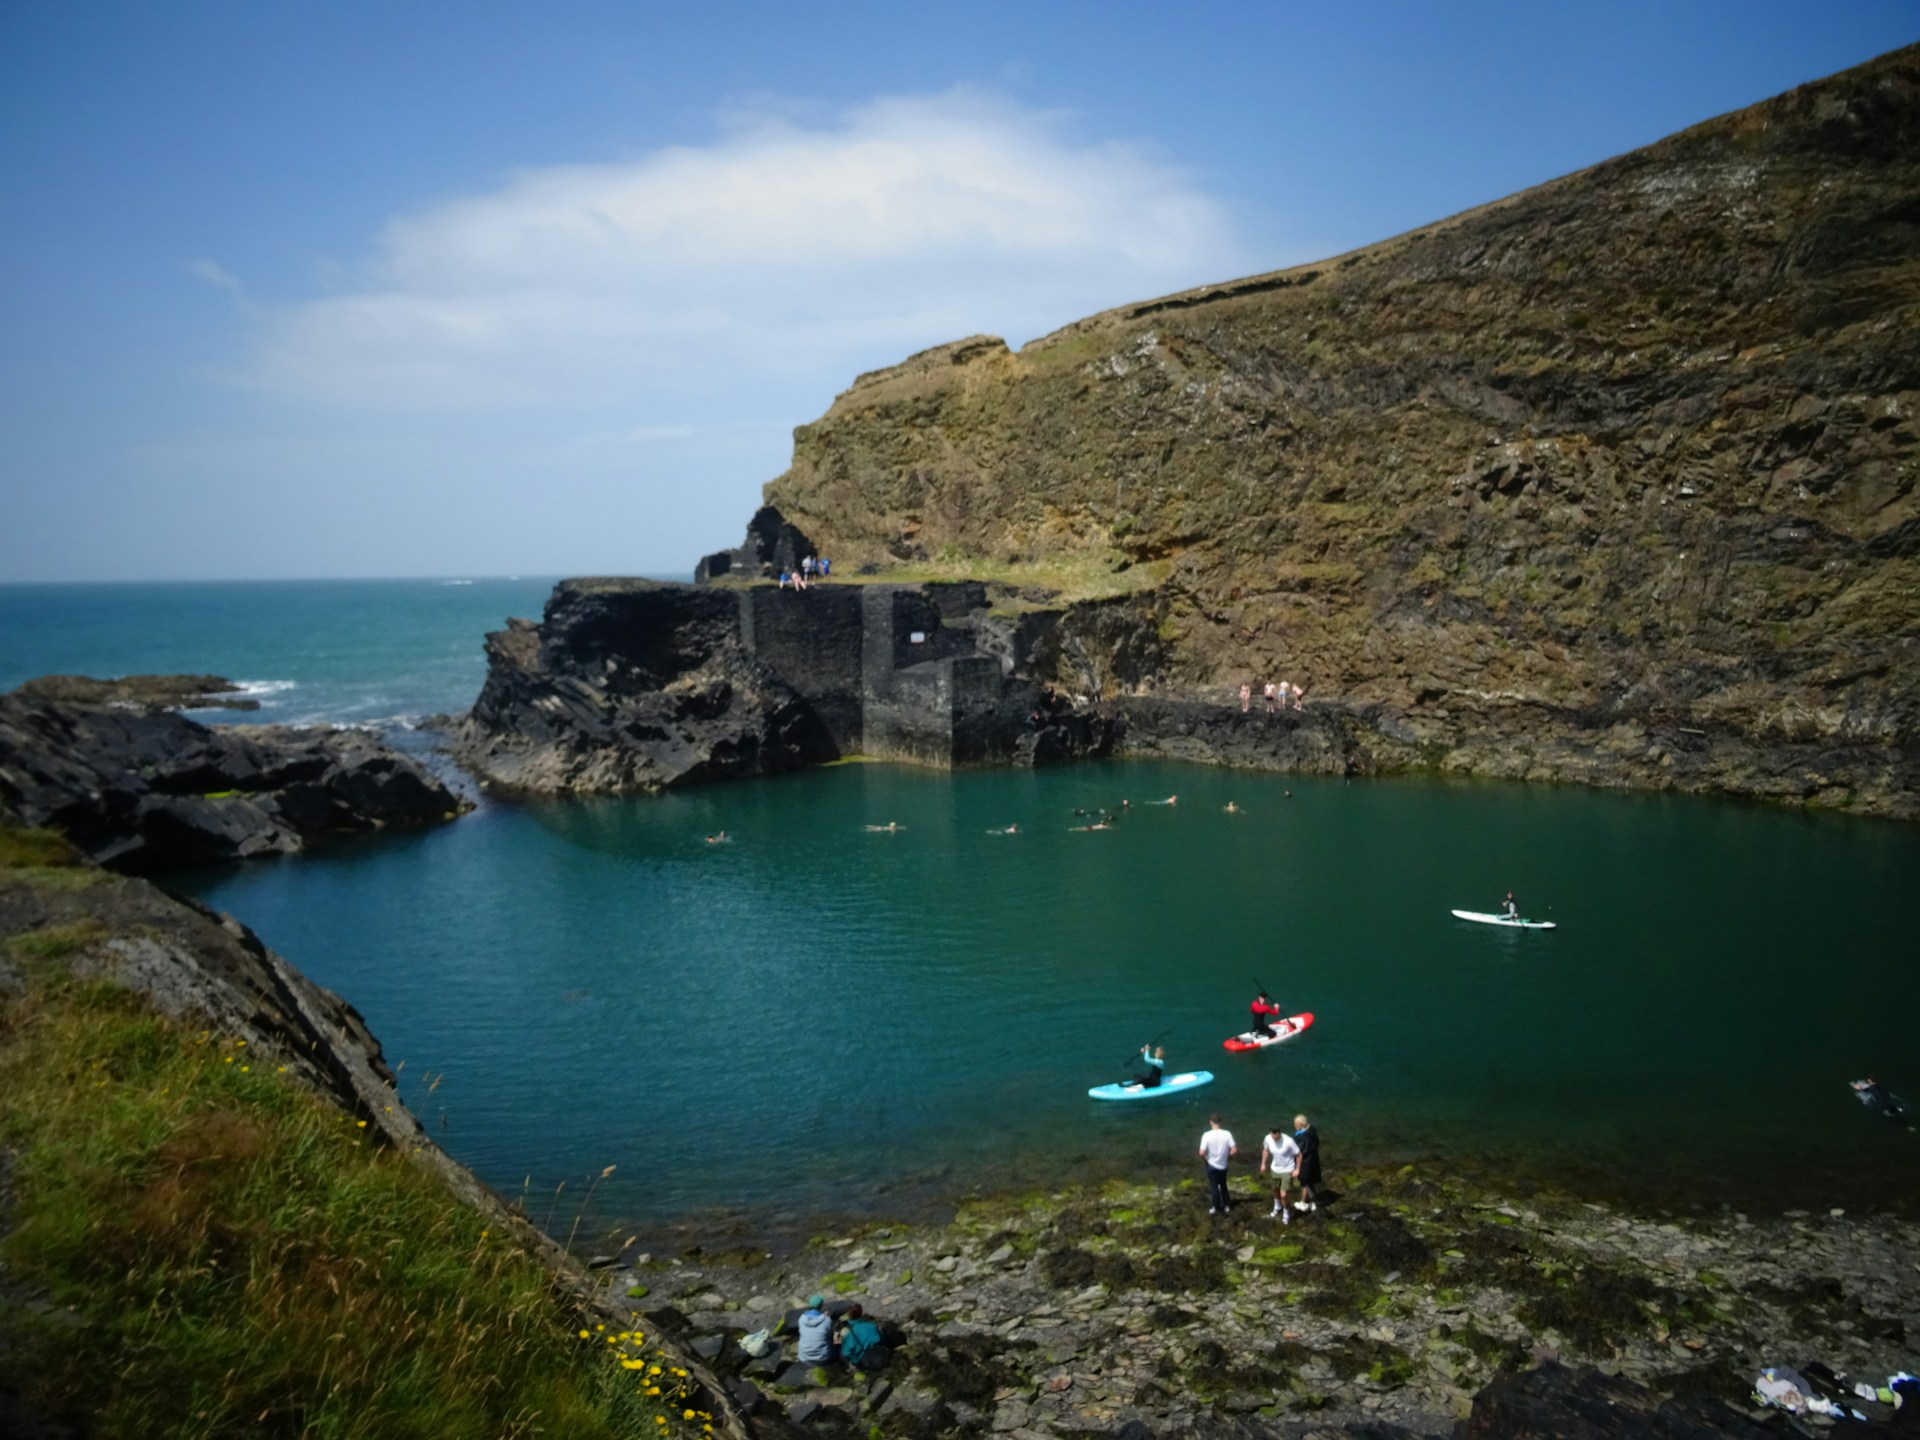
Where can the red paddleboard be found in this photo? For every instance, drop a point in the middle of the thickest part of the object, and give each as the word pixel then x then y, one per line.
pixel 1282 1030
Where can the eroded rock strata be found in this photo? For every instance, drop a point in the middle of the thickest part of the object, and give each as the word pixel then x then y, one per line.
pixel 147 789
pixel 1612 480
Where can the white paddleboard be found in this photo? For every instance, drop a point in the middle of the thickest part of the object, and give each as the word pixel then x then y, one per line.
pixel 1484 919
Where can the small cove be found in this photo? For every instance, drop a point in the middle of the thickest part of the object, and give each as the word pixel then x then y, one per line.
pixel 813 1020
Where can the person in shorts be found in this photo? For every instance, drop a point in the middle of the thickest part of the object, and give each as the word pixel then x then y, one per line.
pixel 1279 1157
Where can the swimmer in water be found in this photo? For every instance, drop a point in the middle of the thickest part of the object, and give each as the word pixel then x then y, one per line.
pixel 1170 800
pixel 1010 830
pixel 888 828
pixel 1233 809
pixel 1097 825
pixel 718 839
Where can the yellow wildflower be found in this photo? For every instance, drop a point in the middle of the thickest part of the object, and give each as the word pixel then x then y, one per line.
pixel 586 1334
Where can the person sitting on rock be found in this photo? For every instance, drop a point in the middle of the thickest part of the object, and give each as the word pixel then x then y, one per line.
pixel 816 1333
pixel 861 1344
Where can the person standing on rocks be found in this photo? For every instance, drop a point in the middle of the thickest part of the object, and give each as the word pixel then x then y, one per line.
pixel 1279 1156
pixel 1246 698
pixel 1308 1168
pixel 1217 1148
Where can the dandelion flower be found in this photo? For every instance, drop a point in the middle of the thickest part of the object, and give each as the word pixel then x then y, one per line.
pixel 586 1334
pixel 229 1059
pixel 686 1414
pixel 361 1124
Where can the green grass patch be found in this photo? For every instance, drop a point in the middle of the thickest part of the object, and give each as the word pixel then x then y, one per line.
pixel 224 1253
pixel 1278 1254
pixel 841 1282
pixel 56 942
pixel 22 849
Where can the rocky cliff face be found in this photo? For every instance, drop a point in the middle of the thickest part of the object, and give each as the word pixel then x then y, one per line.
pixel 643 685
pixel 1610 480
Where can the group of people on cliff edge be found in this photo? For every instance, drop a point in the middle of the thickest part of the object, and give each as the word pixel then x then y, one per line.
pixel 1275 695
pixel 812 568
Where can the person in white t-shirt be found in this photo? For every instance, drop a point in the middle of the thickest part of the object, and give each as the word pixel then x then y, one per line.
pixel 1217 1148
pixel 1279 1154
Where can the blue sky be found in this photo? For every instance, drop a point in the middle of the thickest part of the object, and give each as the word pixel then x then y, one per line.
pixel 439 289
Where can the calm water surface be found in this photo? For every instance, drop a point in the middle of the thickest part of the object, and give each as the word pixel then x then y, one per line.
pixel 813 1019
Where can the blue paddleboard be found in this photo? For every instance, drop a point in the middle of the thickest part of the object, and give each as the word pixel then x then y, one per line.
pixel 1172 1085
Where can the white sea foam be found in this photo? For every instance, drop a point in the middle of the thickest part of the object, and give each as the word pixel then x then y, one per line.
pixel 456 582
pixel 261 689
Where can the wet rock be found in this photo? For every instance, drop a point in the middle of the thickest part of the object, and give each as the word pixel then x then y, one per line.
pixel 150 790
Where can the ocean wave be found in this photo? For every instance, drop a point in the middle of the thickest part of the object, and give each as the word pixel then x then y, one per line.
pixel 261 689
pixel 456 582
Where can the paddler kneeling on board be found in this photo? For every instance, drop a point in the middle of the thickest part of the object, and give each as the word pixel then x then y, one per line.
pixel 1156 1060
pixel 1263 1010
pixel 1511 909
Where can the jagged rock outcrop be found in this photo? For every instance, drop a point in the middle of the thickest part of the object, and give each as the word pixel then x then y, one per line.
pixel 1613 480
pixel 146 790
pixel 772 546
pixel 142 692
pixel 633 685
pixel 646 685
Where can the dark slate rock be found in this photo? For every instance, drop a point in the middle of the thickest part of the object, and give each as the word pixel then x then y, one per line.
pixel 146 790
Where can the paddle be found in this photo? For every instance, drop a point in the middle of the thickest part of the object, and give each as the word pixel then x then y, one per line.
pixel 1150 1045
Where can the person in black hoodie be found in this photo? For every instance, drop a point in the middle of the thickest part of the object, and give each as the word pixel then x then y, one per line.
pixel 1308 1139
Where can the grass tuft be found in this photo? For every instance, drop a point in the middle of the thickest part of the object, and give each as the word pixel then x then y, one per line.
pixel 219 1252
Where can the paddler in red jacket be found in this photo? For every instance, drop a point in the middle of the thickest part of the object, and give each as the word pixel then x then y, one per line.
pixel 1263 1009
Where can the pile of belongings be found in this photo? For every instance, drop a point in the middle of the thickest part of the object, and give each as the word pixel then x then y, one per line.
pixel 1819 1391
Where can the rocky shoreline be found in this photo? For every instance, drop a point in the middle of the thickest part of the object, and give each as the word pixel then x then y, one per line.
pixel 139 787
pixel 1082 1311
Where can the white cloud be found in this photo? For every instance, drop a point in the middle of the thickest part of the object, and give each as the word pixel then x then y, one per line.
pixel 784 249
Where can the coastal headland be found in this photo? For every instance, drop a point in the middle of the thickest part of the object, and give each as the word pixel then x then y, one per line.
pixel 1611 481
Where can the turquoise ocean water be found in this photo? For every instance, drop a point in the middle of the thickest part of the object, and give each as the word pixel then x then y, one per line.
pixel 812 1018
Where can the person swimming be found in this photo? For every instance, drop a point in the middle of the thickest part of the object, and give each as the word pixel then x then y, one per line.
pixel 1010 830
pixel 1170 800
pixel 719 838
pixel 1097 825
pixel 1233 809
pixel 888 828
pixel 1876 1096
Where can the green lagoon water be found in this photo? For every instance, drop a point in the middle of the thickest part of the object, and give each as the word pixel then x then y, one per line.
pixel 813 1019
